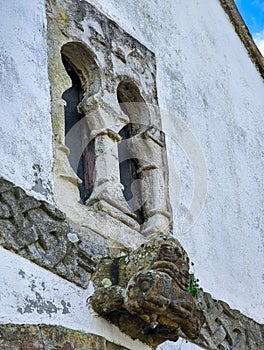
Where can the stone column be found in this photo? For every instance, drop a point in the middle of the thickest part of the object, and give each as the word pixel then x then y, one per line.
pixel 65 177
pixel 149 148
pixel 156 201
pixel 107 194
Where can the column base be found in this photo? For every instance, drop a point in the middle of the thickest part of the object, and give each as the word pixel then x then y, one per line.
pixel 108 197
pixel 158 222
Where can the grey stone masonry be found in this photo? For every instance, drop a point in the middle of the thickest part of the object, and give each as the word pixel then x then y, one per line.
pixel 41 233
pixel 226 328
pixel 38 337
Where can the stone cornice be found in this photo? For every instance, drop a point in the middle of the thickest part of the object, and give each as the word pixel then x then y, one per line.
pixel 242 31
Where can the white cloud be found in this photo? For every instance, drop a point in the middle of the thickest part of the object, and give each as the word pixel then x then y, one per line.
pixel 259 40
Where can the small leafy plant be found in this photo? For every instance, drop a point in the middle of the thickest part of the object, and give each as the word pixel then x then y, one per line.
pixel 194 287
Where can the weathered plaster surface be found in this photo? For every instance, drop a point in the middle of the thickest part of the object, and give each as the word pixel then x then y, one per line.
pixel 206 79
pixel 26 138
pixel 30 294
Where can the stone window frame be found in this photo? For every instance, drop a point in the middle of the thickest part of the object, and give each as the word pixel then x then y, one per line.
pixel 104 61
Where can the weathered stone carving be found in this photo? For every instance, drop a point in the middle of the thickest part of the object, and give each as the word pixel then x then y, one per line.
pixel 136 291
pixel 150 287
pixel 105 58
pixel 40 232
pixel 145 295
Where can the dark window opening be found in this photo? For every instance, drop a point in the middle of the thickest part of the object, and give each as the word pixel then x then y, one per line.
pixel 85 159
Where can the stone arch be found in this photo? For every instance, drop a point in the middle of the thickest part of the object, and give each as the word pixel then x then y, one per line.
pixel 85 64
pixel 80 65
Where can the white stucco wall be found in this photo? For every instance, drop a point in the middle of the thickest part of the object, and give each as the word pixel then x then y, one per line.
pixel 25 125
pixel 206 80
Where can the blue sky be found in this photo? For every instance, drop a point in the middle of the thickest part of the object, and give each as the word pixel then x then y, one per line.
pixel 253 13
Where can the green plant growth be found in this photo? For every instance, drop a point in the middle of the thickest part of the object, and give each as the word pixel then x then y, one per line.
pixel 194 287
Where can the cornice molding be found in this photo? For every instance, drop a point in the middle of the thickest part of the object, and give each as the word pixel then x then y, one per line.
pixel 243 32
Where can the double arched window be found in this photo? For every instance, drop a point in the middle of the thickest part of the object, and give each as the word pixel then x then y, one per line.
pixel 109 148
pixel 78 136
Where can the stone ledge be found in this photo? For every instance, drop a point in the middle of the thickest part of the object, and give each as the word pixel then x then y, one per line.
pixel 39 337
pixel 41 233
pixel 226 328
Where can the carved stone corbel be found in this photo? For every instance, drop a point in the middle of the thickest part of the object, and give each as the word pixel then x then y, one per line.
pixel 145 293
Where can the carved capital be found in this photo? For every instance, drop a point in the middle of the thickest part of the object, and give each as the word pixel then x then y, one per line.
pixel 147 146
pixel 101 114
pixel 110 133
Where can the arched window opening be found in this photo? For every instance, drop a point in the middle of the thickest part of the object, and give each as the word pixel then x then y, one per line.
pixel 128 96
pixel 81 156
